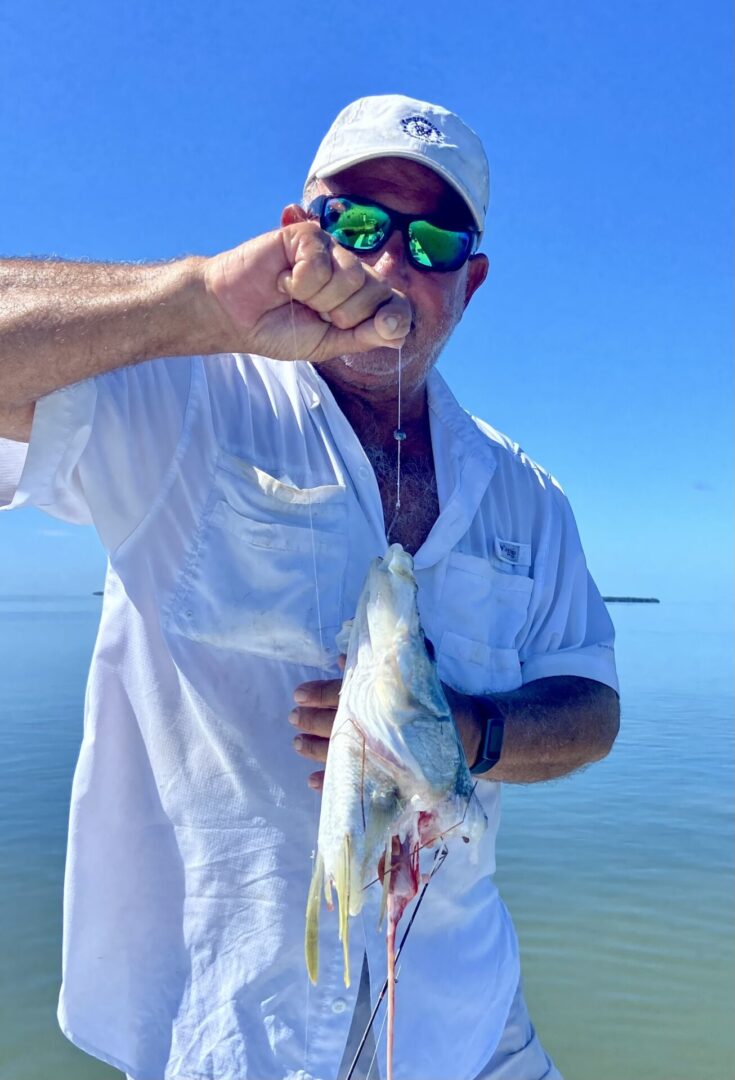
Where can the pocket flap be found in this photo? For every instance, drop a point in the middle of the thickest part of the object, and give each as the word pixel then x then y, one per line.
pixel 281 537
pixel 472 667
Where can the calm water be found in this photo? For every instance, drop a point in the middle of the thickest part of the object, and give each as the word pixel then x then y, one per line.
pixel 619 878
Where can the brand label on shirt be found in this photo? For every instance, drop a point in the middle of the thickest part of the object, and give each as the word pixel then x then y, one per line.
pixel 514 553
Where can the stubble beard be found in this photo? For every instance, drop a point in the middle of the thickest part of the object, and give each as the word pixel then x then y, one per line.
pixel 378 368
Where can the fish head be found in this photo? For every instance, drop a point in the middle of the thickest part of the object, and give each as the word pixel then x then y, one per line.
pixel 391 608
pixel 396 641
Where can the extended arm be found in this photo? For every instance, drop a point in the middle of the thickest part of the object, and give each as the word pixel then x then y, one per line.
pixel 552 727
pixel 62 322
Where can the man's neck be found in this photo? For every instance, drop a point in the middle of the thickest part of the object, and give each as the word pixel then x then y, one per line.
pixel 374 422
pixel 374 419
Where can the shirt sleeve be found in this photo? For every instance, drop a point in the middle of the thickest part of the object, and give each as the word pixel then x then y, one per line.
pixel 12 459
pixel 569 630
pixel 100 450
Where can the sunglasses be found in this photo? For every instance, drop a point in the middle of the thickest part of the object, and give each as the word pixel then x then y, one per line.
pixel 364 226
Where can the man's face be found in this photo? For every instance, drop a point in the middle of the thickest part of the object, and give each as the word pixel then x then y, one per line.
pixel 438 299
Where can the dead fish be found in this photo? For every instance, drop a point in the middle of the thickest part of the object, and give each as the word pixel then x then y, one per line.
pixel 396 776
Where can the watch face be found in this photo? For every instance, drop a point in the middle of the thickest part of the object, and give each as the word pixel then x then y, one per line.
pixel 495 739
pixel 493 744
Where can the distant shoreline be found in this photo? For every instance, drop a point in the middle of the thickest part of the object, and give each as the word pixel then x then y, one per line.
pixel 5 597
pixel 607 599
pixel 631 600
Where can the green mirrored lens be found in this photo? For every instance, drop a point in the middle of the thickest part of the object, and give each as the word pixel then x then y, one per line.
pixel 436 248
pixel 361 228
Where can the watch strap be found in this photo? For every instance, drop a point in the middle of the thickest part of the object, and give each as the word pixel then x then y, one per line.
pixel 491 742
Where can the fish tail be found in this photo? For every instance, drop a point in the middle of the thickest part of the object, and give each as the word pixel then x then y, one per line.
pixel 343 897
pixel 311 940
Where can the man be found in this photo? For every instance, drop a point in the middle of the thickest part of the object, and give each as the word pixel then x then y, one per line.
pixel 241 493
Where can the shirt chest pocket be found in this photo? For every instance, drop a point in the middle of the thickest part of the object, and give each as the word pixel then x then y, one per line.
pixel 484 610
pixel 267 571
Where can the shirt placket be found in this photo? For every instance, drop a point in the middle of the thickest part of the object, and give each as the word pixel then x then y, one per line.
pixel 330 1003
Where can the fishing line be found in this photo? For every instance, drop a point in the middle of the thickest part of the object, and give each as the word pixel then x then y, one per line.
pixel 377 1041
pixel 315 814
pixel 311 513
pixel 439 836
pixel 399 435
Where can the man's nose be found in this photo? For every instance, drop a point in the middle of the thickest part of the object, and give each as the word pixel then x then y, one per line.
pixel 392 263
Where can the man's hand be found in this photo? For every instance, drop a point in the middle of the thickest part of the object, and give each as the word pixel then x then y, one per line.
pixel 292 294
pixel 469 727
pixel 295 294
pixel 314 716
pixel 317 707
pixel 553 726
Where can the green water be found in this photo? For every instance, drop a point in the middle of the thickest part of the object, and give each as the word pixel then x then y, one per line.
pixel 619 878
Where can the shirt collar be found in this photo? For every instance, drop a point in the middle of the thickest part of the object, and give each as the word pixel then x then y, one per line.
pixel 446 410
pixel 464 460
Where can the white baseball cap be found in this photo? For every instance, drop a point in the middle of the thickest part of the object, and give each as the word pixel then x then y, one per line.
pixel 391 125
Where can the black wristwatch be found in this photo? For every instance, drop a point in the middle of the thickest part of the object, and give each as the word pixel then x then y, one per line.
pixel 491 742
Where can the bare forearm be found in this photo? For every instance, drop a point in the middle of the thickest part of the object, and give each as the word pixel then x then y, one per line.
pixel 61 322
pixel 285 294
pixel 551 727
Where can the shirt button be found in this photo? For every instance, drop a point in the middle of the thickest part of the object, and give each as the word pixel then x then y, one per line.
pixel 339 1005
pixel 362 472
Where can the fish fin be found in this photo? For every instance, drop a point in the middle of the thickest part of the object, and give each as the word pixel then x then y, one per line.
pixel 311 939
pixel 343 897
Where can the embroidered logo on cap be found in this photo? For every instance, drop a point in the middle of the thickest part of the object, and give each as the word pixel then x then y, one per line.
pixel 418 127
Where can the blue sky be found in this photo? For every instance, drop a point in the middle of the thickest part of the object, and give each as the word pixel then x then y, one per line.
pixel 602 339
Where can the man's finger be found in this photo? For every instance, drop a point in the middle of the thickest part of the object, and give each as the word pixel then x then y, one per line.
pixel 319 694
pixel 360 339
pixel 311 746
pixel 312 268
pixel 316 781
pixel 313 721
pixel 390 311
pixel 349 277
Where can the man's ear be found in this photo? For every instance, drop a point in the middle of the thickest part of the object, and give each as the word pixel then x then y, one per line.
pixel 292 214
pixel 477 269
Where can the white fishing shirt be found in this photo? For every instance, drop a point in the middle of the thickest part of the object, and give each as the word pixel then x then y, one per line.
pixel 240 514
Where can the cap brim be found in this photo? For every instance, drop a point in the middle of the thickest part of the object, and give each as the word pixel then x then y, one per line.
pixel 371 155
